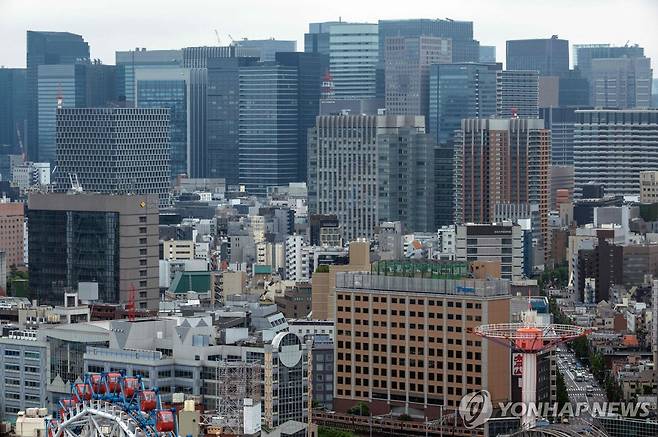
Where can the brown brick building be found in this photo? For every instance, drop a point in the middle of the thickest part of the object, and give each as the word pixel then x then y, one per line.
pixel 11 232
pixel 403 344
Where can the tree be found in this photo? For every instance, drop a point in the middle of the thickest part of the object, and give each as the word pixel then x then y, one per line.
pixel 360 409
pixel 562 395
pixel 325 431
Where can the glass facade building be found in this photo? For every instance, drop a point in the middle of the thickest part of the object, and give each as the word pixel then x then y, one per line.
pixel 47 48
pixel 128 62
pixel 13 109
pixel 456 92
pixel 550 57
pixel 268 126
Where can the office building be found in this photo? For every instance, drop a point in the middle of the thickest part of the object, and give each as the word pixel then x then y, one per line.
pixel 24 376
pixel 550 57
pixel 612 147
pixel 574 90
pixel 324 230
pixel 502 161
pixel 517 94
pixel 621 82
pixel 499 243
pixel 353 50
pixel 402 343
pixel 183 92
pixel 456 91
pixel 223 117
pixel 198 57
pixel 464 47
pixel 358 177
pixel 101 83
pixel 599 268
pixel 407 62
pixel 267 48
pixel 560 121
pixel 487 54
pixel 114 150
pixel 405 173
pixel 268 126
pixel 58 86
pixel 108 239
pixel 11 237
pixel 649 186
pixel 47 48
pixel 13 108
pixel 128 62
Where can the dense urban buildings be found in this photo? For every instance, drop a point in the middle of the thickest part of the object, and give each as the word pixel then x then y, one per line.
pixel 108 239
pixel 517 94
pixel 114 150
pixel 612 147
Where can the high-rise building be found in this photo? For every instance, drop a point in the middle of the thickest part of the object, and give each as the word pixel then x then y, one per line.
pixel 353 50
pixel 358 172
pixel 46 48
pixel 108 239
pixel 223 117
pixel 311 68
pixel 62 86
pixel 11 237
pixel 127 62
pixel 183 92
pixel 550 57
pixel 502 161
pixel 403 343
pixel 517 93
pixel 101 85
pixel 456 91
pixel 407 63
pixel 612 147
pixel 198 57
pixel 560 121
pixel 500 243
pixel 115 150
pixel 649 186
pixel 13 109
pixel 621 82
pixel 583 54
pixel 487 54
pixel 268 126
pixel 267 48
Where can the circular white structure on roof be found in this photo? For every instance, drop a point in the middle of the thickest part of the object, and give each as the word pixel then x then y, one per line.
pixel 289 348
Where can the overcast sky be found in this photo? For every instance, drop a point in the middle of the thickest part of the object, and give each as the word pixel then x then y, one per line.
pixel 109 25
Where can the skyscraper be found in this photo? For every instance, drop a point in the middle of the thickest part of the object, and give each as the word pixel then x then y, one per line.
pixel 63 86
pixel 487 54
pixel 268 126
pixel 267 48
pixel 550 57
pixel 407 64
pixel 358 171
pixel 101 85
pixel 456 91
pixel 223 117
pixel 584 54
pixel 612 147
pixel 517 93
pixel 183 92
pixel 353 55
pixel 115 150
pixel 111 240
pixel 561 122
pixel 13 109
pixel 502 161
pixel 621 82
pixel 46 48
pixel 127 62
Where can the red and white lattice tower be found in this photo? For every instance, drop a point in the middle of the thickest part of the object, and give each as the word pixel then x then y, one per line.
pixel 530 338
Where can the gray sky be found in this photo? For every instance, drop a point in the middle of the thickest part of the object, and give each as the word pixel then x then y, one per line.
pixel 110 25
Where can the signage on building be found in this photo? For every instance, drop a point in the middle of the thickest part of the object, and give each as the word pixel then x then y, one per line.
pixel 517 364
pixel 488 230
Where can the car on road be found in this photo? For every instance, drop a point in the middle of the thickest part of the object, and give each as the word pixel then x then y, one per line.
pixel 589 389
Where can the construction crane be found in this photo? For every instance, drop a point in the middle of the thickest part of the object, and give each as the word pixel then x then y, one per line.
pixel 19 137
pixel 219 41
pixel 75 183
pixel 232 40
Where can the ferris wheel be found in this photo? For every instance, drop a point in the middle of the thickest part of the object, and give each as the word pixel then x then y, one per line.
pixel 112 405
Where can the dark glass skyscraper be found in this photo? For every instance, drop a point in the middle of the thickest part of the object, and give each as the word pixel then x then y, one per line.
pixel 457 91
pixel 45 48
pixel 12 106
pixel 268 124
pixel 550 57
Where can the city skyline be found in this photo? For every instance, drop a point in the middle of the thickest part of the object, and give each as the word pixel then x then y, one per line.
pixel 144 25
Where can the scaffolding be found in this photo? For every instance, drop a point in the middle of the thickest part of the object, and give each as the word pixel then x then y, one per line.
pixel 235 381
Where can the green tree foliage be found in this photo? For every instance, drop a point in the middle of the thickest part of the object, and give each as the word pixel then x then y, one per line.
pixel 325 431
pixel 360 409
